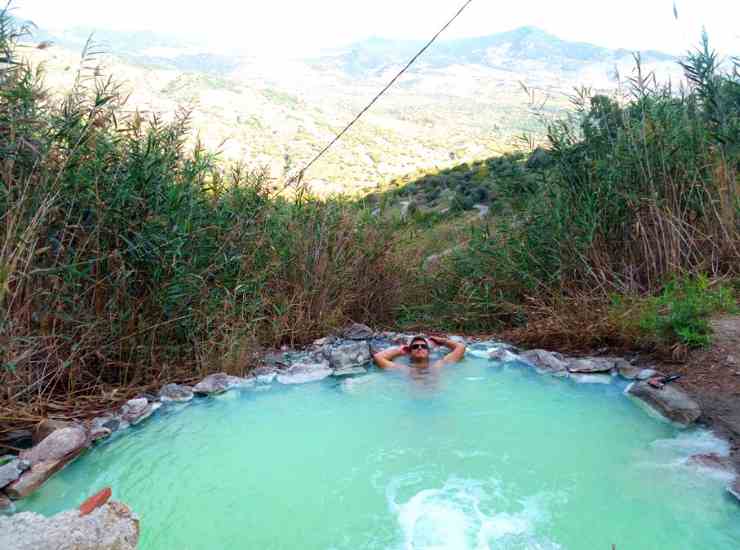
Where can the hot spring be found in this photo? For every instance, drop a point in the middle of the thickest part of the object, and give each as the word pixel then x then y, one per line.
pixel 480 455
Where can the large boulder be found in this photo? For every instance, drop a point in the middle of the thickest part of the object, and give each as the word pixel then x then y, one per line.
pixel 136 411
pixel 46 427
pixel 47 458
pixel 12 471
pixel 215 383
pixel 112 526
pixel 591 365
pixel 302 373
pixel 349 355
pixel 545 361
pixel 503 355
pixel 57 446
pixel 358 331
pixel 670 401
pixel 176 393
pixel 32 480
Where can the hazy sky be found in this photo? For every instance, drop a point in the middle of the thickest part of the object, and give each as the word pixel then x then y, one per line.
pixel 296 27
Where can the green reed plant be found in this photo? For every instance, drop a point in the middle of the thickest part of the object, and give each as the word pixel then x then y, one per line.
pixel 130 256
pixel 638 189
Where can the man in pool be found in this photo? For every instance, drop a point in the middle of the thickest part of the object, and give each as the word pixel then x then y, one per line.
pixel 418 352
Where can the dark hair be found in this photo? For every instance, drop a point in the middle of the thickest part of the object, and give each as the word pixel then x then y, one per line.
pixel 418 338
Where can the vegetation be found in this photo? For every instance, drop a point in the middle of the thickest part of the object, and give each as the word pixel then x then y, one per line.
pixel 128 258
pixel 679 314
pixel 632 192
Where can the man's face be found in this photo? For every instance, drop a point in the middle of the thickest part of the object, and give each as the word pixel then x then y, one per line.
pixel 419 350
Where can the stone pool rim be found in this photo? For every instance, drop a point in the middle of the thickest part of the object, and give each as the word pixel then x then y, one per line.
pixel 339 356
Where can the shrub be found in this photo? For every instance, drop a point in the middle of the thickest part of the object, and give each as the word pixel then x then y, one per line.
pixel 681 312
pixel 130 256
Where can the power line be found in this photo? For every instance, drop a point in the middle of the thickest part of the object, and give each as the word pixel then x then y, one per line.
pixel 321 153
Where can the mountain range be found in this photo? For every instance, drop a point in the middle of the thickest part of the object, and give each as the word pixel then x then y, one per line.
pixel 464 99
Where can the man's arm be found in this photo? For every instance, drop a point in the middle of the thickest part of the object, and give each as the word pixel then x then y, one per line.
pixel 384 359
pixel 457 353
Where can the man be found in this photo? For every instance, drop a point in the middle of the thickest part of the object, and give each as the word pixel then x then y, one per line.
pixel 418 352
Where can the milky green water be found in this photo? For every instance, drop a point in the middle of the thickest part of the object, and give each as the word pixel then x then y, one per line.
pixel 481 457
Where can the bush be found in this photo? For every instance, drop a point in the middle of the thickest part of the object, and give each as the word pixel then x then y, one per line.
pixel 638 190
pixel 129 256
pixel 681 312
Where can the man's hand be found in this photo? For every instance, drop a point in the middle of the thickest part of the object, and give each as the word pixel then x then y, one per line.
pixel 446 342
pixel 458 349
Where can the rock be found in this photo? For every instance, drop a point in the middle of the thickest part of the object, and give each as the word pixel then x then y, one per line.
pixel 107 422
pixel 215 384
pixel 302 373
pixel 628 371
pixel 592 378
pixel 545 361
pixel 136 411
pixel 349 371
pixel 176 393
pixel 353 354
pixel 57 445
pixel 358 331
pixel 503 355
pixel 670 401
pixel 275 360
pixel 46 427
pixel 325 341
pixel 6 505
pixel 34 478
pixel 99 433
pixel 111 527
pixel 266 379
pixel 712 460
pixel 12 471
pixel 94 502
pixel 591 365
pixel 647 374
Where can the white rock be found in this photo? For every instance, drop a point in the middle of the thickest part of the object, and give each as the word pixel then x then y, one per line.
pixel 111 527
pixel 176 393
pixel 592 378
pixel 302 373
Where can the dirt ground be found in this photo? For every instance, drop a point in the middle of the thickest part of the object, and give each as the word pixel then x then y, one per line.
pixel 712 377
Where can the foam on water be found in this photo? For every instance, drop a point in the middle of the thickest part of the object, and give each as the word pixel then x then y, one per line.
pixel 452 518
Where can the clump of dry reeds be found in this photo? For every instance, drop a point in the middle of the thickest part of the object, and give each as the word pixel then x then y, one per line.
pixel 637 191
pixel 129 258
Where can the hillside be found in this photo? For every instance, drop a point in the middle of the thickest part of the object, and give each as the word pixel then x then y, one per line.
pixel 463 101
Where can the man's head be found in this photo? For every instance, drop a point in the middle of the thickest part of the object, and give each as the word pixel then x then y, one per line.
pixel 419 349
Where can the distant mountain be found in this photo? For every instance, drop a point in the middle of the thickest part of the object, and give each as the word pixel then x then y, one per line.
pixel 461 101
pixel 499 51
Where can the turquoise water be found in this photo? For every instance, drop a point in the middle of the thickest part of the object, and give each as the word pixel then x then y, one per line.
pixel 479 457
